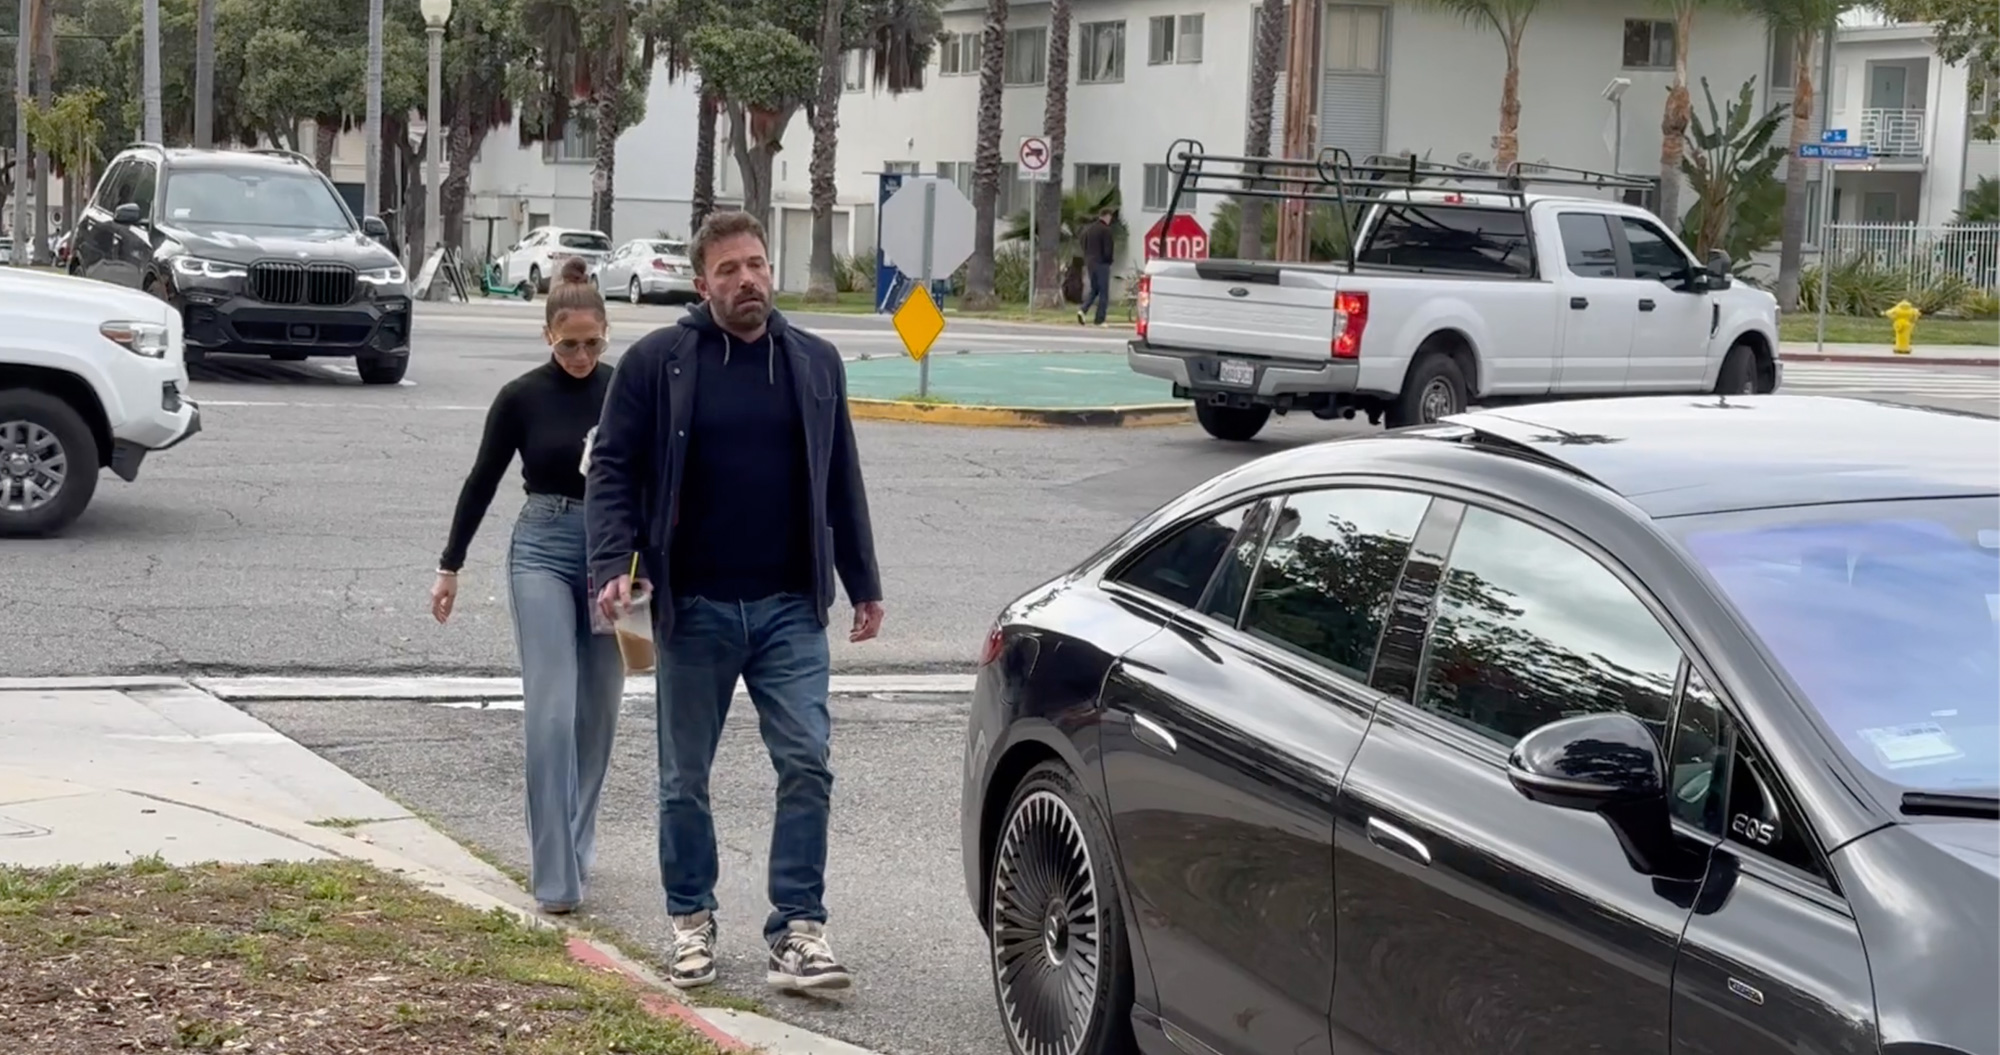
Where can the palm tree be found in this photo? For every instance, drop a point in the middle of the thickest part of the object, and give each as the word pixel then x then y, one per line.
pixel 1805 20
pixel 825 119
pixel 979 272
pixel 586 55
pixel 1049 195
pixel 204 74
pixel 703 203
pixel 1509 18
pixel 1271 34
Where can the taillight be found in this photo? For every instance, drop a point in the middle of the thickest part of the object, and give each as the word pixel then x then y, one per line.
pixel 1145 302
pixel 991 650
pixel 1350 318
pixel 659 265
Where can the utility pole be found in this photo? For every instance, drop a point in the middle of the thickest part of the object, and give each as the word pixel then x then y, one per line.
pixel 204 75
pixel 1301 65
pixel 371 184
pixel 23 50
pixel 151 89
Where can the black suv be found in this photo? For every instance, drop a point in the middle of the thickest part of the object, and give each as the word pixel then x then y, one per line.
pixel 257 251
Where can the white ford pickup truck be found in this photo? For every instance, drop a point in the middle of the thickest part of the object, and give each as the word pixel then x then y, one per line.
pixel 1452 298
pixel 91 377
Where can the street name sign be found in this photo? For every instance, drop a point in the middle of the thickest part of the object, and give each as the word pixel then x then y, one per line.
pixel 1833 135
pixel 1832 152
pixel 1034 156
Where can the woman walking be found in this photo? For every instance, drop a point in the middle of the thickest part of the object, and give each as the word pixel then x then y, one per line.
pixel 572 678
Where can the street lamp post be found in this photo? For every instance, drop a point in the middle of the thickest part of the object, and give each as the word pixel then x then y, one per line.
pixel 436 14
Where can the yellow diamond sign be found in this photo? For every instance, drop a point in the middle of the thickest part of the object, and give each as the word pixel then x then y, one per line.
pixel 918 323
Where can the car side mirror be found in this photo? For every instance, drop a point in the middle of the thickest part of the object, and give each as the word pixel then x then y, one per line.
pixel 1721 270
pixel 373 227
pixel 128 214
pixel 1608 764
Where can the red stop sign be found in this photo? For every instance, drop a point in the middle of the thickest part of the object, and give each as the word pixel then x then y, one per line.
pixel 1184 239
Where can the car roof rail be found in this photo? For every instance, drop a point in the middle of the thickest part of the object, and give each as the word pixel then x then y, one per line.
pixel 281 152
pixel 142 145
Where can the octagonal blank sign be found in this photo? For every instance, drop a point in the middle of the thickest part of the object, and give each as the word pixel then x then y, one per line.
pixel 950 233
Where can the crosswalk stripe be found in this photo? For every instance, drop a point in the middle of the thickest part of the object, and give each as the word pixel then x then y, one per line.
pixel 1977 383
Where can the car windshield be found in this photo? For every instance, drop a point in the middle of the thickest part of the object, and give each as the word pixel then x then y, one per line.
pixel 254 198
pixel 668 248
pixel 585 240
pixel 1886 615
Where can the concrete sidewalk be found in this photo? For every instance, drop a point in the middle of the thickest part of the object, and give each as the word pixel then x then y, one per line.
pixel 1960 355
pixel 97 771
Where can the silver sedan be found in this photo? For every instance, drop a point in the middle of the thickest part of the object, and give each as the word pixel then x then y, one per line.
pixel 648 269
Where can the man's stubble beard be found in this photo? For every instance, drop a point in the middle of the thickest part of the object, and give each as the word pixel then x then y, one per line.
pixel 741 316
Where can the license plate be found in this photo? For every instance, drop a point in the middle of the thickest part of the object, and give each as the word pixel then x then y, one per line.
pixel 1235 372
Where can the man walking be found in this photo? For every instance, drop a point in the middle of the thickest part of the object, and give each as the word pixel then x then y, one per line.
pixel 1097 251
pixel 725 458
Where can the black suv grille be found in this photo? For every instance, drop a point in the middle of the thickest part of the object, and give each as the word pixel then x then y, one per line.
pixel 289 283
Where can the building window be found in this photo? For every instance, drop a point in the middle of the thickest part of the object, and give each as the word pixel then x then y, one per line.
pixel 855 75
pixel 1352 39
pixel 1100 52
pixel 959 54
pixel 1027 56
pixel 958 173
pixel 906 168
pixel 577 145
pixel 1173 38
pixel 537 220
pixel 1097 177
pixel 1783 44
pixel 1160 189
pixel 1649 45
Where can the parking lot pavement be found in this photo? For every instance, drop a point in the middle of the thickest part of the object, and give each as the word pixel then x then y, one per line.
pixel 899 917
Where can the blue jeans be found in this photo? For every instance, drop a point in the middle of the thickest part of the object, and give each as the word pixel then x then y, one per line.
pixel 779 649
pixel 572 682
pixel 1099 292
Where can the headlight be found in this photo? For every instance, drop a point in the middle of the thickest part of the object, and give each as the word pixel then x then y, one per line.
pixel 196 267
pixel 140 338
pixel 384 276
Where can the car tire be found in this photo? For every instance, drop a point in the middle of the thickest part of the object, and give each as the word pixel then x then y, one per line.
pixel 57 430
pixel 535 281
pixel 1435 389
pixel 1738 376
pixel 382 370
pixel 1051 835
pixel 633 293
pixel 1236 424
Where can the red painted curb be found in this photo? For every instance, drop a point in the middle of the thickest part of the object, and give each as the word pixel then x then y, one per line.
pixel 1901 360
pixel 652 999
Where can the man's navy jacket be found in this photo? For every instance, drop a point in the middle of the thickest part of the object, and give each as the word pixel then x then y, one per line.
pixel 632 498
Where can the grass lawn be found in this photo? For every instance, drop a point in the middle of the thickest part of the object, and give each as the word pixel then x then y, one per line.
pixel 1851 329
pixel 321 957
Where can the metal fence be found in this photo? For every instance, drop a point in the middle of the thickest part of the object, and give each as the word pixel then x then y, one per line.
pixel 1920 256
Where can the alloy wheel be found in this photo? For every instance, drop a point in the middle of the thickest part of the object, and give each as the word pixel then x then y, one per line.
pixel 633 293
pixel 1047 940
pixel 33 466
pixel 1438 401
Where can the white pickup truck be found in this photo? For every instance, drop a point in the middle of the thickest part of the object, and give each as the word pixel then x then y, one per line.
pixel 1453 298
pixel 91 377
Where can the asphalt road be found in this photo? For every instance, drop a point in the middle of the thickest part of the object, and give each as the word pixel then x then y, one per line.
pixel 298 533
pixel 899 916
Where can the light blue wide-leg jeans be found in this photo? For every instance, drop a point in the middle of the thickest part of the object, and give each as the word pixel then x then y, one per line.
pixel 572 683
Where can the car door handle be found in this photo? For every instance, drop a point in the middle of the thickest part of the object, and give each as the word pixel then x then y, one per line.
pixel 1397 841
pixel 1154 733
pixel 1647 305
pixel 1579 303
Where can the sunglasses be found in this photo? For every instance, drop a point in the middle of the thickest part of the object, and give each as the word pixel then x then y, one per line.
pixel 568 346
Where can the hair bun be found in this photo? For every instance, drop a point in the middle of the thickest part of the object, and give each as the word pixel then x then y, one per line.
pixel 575 270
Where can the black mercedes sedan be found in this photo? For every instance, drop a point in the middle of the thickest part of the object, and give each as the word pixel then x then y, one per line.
pixel 1655 725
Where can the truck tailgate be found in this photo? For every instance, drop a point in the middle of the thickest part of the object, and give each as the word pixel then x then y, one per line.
pixel 1255 309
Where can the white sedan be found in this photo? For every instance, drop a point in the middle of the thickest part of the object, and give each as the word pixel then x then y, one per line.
pixel 538 258
pixel 648 269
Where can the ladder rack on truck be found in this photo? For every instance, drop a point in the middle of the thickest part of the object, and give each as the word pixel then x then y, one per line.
pixel 1335 178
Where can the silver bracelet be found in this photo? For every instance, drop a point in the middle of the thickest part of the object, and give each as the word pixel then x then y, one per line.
pixel 448 574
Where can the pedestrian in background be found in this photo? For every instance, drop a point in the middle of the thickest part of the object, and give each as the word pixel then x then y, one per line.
pixel 572 679
pixel 1097 253
pixel 726 459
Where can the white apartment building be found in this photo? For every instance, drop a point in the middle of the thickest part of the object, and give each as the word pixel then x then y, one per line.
pixel 1915 113
pixel 1394 76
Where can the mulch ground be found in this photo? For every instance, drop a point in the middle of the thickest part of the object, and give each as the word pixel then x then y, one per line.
pixel 304 959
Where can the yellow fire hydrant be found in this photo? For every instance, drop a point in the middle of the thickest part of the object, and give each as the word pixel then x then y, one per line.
pixel 1903 319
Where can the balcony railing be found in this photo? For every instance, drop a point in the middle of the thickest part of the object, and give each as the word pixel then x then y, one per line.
pixel 1893 133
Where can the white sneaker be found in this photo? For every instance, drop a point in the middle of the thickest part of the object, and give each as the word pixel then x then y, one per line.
pixel 692 962
pixel 802 960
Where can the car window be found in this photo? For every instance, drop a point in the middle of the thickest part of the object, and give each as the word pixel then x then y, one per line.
pixel 254 197
pixel 1697 760
pixel 145 180
pixel 1760 818
pixel 1493 241
pixel 1587 247
pixel 108 186
pixel 1530 629
pixel 670 248
pixel 1177 568
pixel 1653 256
pixel 1224 599
pixel 1328 573
pixel 585 240
pixel 1886 616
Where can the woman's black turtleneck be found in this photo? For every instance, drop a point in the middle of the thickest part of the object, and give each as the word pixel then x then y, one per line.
pixel 543 415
